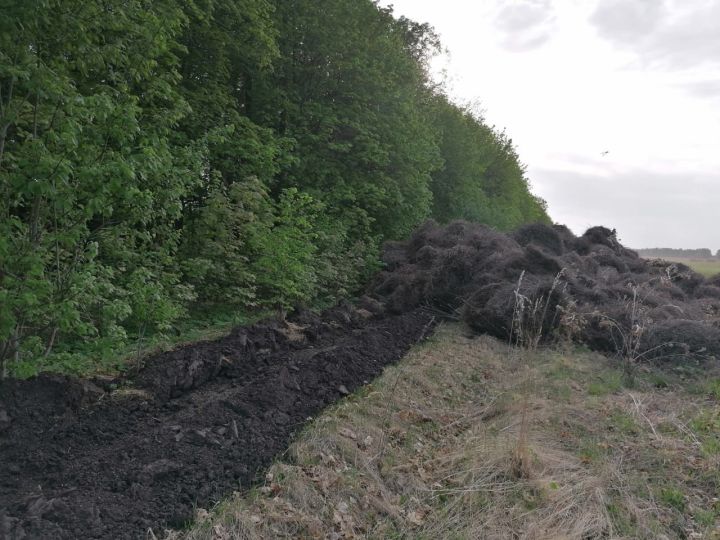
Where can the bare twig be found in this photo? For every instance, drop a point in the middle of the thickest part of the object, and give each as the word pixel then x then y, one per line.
pixel 638 405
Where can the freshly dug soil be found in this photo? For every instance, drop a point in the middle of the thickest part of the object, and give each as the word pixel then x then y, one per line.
pixel 80 461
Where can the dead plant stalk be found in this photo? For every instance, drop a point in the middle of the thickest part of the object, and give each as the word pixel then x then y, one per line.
pixel 526 333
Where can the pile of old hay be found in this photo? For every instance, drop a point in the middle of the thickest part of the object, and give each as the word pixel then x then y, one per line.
pixel 545 281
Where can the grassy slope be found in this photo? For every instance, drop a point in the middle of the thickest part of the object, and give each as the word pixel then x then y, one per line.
pixel 430 451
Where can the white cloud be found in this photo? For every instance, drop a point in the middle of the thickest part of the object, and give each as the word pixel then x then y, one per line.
pixel 709 88
pixel 645 88
pixel 649 210
pixel 525 24
pixel 628 21
pixel 666 36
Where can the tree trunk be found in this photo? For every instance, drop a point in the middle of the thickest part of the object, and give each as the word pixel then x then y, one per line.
pixel 9 348
pixel 141 335
pixel 34 231
pixel 3 136
pixel 51 342
pixel 3 359
pixel 4 116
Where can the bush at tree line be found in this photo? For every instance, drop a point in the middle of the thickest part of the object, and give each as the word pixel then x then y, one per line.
pixel 158 159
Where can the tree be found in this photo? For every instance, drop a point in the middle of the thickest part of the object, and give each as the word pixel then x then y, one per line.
pixel 481 178
pixel 165 158
pixel 349 93
pixel 89 185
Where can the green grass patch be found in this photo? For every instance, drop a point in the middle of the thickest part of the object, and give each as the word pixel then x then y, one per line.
pixel 607 383
pixel 714 389
pixel 657 380
pixel 621 519
pixel 705 518
pixel 673 497
pixel 561 392
pixel 707 422
pixel 623 423
pixel 561 371
pixel 113 356
pixel 592 451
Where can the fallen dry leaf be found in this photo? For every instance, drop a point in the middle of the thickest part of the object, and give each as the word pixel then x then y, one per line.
pixel 416 518
pixel 348 433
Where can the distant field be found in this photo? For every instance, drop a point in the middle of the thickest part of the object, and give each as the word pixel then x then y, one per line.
pixel 704 267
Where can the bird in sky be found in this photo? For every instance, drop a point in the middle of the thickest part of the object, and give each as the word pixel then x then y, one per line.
pixel 605 153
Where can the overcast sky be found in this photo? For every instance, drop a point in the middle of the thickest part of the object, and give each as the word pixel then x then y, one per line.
pixel 571 79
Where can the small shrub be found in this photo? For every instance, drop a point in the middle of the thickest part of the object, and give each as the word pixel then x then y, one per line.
pixel 621 519
pixel 673 498
pixel 658 380
pixel 714 388
pixel 707 426
pixel 623 422
pixel 609 384
pixel 705 518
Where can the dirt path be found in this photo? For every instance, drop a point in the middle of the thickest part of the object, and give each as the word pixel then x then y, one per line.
pixel 197 424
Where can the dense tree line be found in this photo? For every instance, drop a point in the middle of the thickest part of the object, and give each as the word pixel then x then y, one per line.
pixel 169 157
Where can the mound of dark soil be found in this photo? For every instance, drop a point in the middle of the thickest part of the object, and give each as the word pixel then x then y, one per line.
pixel 544 279
pixel 196 424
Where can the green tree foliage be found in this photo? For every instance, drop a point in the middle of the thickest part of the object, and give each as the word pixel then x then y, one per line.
pixel 349 94
pixel 90 185
pixel 481 178
pixel 166 157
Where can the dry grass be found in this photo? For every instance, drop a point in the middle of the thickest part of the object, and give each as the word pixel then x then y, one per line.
pixel 427 452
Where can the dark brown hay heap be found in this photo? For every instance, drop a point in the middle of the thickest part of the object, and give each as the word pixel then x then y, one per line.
pixel 600 293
